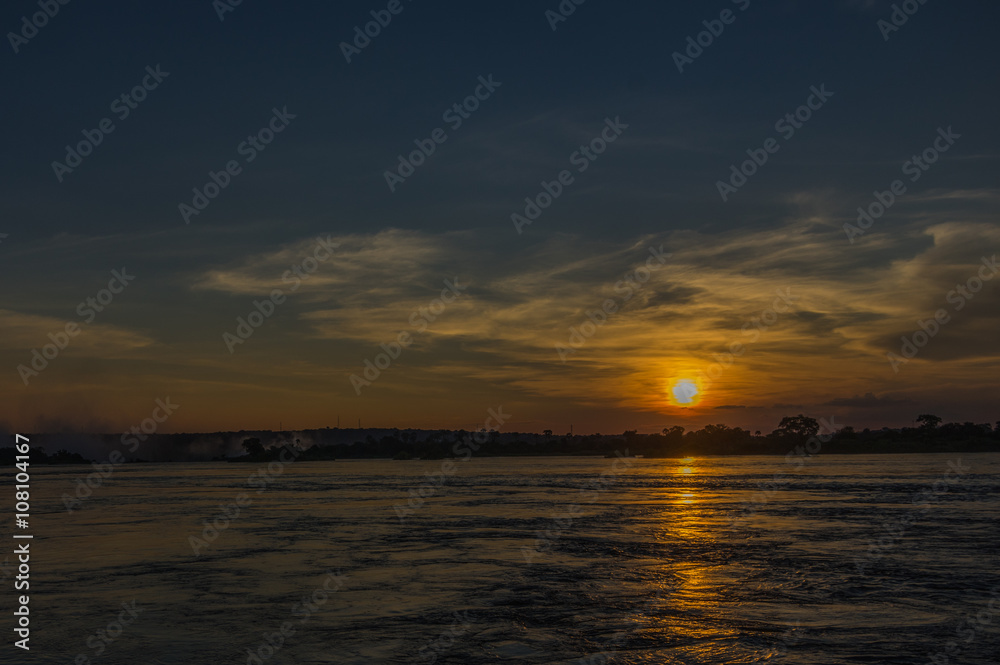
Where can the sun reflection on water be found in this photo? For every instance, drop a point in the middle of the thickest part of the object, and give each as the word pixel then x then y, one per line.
pixel 686 528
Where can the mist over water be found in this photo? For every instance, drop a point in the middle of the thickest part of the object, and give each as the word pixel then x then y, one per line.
pixel 850 560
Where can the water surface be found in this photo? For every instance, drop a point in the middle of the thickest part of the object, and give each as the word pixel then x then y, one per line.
pixel 845 559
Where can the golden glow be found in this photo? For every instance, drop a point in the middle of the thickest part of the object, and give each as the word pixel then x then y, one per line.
pixel 684 392
pixel 684 512
pixel 687 466
pixel 296 372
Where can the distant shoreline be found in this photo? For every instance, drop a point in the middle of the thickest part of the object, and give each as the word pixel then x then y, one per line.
pixel 796 437
pixel 647 458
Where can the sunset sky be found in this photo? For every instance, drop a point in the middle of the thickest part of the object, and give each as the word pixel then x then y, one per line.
pixel 652 193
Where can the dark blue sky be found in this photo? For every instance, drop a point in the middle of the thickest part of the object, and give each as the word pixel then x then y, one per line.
pixel 325 172
pixel 940 68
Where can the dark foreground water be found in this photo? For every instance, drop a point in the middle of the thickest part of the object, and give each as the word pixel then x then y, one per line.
pixel 842 559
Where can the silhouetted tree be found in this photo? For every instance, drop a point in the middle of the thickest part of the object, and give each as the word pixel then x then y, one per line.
pixel 799 427
pixel 928 421
pixel 253 446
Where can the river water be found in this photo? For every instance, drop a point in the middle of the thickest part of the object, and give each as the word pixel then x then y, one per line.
pixel 832 559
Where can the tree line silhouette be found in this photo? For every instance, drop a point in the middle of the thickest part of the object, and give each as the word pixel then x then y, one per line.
pixel 930 435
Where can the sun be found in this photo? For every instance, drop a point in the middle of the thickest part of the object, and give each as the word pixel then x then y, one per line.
pixel 684 393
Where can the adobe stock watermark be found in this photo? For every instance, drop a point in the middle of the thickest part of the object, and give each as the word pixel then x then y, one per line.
pixel 420 319
pixel 562 13
pixel 464 451
pixel 582 158
pixel 968 630
pixel 646 615
pixel 633 281
pixel 305 609
pixel 102 639
pixel 264 309
pixel 261 479
pixel 896 528
pixel 455 115
pixel 248 149
pixel 87 310
pixel 132 438
pixel 786 126
pixel 898 18
pixel 713 30
pixel 30 27
pixel 430 652
pixel 753 329
pixel 122 106
pixel 929 328
pixel 561 522
pixel 223 7
pixel 372 29
pixel 796 458
pixel 914 167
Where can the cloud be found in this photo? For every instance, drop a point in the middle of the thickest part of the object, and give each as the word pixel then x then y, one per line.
pixel 518 306
pixel 869 400
pixel 381 265
pixel 524 296
pixel 23 332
